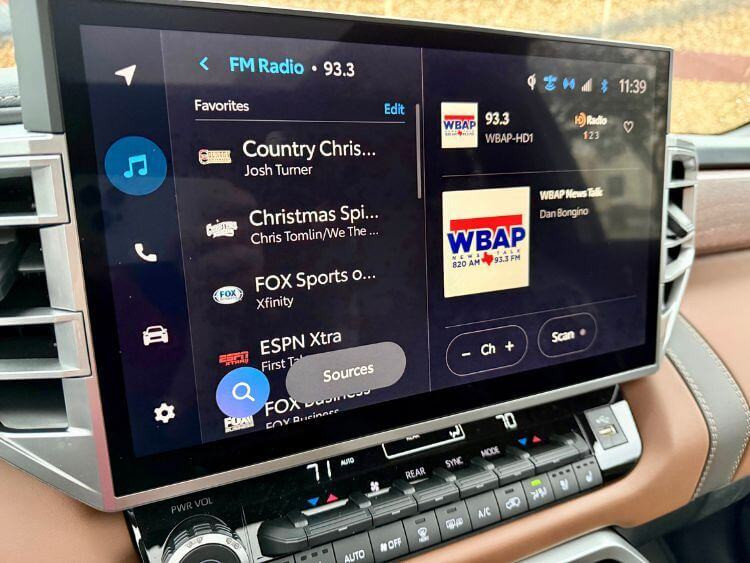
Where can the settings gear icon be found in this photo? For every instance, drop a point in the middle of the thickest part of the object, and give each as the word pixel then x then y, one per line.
pixel 164 413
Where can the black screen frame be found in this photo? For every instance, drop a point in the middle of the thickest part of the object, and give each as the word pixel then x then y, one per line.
pixel 131 474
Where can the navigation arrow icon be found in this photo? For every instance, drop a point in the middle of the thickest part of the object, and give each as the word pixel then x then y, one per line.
pixel 127 73
pixel 203 64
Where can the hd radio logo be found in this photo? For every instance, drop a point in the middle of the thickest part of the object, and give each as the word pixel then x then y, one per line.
pixel 458 123
pixel 485 240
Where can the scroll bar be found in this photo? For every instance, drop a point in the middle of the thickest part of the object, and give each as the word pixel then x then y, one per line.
pixel 418 124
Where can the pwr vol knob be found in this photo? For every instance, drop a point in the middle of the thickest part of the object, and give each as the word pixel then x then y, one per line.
pixel 203 539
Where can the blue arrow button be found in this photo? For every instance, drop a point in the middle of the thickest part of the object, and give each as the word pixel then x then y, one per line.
pixel 313 501
pixel 522 441
pixel 203 64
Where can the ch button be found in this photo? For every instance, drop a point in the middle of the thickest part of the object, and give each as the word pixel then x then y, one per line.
pixel 485 350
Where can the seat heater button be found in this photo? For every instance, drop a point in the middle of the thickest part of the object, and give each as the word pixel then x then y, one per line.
pixel 588 473
pixel 511 500
pixel 538 491
pixel 511 469
pixel 483 510
pixel 453 520
pixel 564 482
pixel 320 554
pixel 389 542
pixel 356 549
pixel 422 531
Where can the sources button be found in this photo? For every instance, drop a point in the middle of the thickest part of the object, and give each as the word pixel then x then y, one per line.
pixel 341 372
pixel 567 335
pixel 485 350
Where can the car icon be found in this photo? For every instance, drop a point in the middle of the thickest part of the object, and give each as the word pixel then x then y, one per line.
pixel 155 334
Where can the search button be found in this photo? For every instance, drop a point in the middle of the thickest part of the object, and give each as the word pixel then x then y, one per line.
pixel 242 392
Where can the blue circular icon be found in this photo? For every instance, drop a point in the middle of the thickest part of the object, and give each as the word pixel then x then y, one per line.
pixel 135 165
pixel 242 392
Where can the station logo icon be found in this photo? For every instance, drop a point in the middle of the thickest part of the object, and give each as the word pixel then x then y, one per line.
pixel 485 240
pixel 458 125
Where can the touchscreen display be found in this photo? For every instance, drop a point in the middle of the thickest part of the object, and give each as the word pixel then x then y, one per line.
pixel 295 229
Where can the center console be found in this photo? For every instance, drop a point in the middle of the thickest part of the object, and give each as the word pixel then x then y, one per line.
pixel 328 288
pixel 401 497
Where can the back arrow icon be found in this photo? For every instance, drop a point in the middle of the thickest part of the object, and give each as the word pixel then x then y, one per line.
pixel 203 64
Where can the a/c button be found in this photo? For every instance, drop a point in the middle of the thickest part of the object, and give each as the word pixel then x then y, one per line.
pixel 569 334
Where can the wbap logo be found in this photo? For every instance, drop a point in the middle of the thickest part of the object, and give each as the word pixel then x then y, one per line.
pixel 486 240
pixel 458 123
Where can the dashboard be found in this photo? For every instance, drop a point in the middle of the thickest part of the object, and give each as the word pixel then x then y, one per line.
pixel 339 288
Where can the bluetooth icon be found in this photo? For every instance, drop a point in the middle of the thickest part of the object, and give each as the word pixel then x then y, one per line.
pixel 605 86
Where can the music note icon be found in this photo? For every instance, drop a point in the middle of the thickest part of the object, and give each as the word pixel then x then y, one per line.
pixel 137 160
pixel 135 165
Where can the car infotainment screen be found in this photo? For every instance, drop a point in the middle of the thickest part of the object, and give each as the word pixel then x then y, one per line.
pixel 298 230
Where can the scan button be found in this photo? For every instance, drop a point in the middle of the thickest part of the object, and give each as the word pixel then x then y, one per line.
pixel 569 334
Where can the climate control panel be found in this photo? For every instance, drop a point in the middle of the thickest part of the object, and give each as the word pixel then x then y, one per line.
pixel 386 502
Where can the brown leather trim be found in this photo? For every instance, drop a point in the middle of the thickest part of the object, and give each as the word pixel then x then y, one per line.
pixel 675 446
pixel 717 304
pixel 722 211
pixel 39 523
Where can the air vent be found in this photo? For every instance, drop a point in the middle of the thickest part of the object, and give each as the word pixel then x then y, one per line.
pixel 47 391
pixel 679 235
pixel 41 335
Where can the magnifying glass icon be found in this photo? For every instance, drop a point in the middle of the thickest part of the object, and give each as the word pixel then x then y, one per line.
pixel 241 391
pixel 237 386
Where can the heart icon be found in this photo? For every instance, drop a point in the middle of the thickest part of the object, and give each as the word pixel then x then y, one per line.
pixel 628 126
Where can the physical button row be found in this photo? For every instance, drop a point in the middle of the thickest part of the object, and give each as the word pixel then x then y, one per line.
pixel 414 533
pixel 298 531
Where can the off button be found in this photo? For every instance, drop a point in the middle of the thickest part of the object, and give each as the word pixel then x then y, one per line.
pixel 570 334
pixel 485 350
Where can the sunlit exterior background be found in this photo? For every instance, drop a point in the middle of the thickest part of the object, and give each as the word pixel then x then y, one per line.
pixel 711 39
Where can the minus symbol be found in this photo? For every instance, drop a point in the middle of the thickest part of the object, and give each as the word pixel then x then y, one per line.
pixel 465 354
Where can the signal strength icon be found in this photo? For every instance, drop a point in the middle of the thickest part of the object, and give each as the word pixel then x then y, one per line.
pixel 588 86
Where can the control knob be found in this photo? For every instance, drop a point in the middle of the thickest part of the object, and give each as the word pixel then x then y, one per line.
pixel 204 539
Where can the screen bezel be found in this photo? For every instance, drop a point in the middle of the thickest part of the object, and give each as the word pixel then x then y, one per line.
pixel 131 474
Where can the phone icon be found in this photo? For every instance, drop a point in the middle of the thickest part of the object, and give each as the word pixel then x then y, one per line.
pixel 139 250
